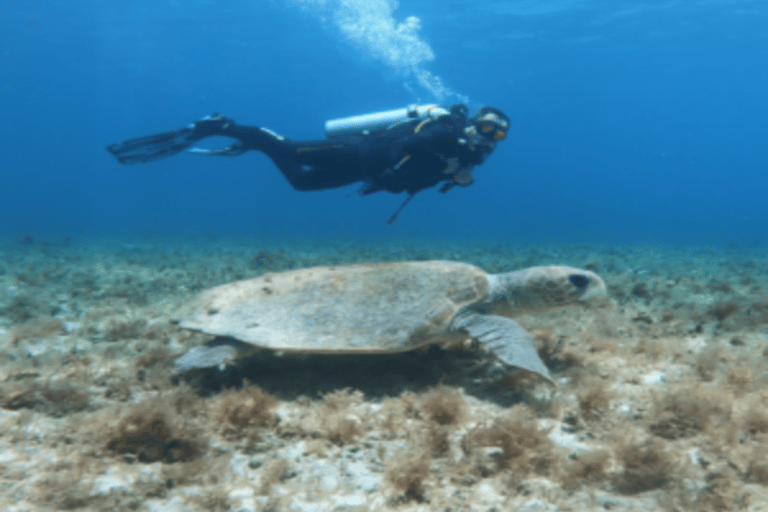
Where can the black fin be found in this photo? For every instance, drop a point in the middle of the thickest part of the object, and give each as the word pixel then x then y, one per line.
pixel 152 147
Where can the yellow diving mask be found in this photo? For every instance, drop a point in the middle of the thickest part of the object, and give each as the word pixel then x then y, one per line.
pixel 492 131
pixel 491 123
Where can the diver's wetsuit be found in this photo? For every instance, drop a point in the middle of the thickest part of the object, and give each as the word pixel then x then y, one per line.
pixel 407 157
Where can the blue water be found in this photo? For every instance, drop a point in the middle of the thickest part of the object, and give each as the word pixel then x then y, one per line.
pixel 633 121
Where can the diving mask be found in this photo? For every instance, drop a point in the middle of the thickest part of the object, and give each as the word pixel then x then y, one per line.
pixel 491 123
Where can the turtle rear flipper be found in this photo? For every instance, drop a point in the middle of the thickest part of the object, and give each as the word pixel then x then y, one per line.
pixel 220 352
pixel 506 338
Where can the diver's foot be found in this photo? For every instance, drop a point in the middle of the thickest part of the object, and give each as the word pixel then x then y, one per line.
pixel 215 124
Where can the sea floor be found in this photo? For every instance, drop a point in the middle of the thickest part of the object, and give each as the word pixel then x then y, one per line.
pixel 659 403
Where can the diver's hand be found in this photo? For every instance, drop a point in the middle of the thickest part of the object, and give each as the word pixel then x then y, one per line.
pixel 215 124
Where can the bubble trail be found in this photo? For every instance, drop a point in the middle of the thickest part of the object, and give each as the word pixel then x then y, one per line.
pixel 370 26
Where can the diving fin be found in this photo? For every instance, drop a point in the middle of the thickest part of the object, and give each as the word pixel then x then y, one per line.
pixel 152 147
pixel 163 145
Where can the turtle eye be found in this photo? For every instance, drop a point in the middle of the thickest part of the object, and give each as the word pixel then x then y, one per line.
pixel 579 281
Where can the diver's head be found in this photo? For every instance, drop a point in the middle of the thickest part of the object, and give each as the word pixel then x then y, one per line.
pixel 491 123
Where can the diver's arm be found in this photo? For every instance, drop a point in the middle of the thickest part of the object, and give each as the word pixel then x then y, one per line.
pixel 454 158
pixel 432 141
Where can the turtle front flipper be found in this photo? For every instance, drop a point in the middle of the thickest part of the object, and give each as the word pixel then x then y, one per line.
pixel 506 338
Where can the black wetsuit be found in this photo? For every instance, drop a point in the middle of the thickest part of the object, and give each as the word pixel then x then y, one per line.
pixel 407 157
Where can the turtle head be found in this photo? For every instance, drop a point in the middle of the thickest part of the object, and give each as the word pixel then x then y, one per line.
pixel 547 287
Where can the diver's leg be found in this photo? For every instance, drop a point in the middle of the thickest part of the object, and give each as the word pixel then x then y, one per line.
pixel 319 164
pixel 306 177
pixel 307 165
pixel 163 145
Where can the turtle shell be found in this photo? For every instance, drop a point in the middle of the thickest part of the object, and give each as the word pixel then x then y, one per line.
pixel 384 307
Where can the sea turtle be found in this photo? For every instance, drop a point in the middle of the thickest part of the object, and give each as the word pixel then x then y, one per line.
pixel 382 307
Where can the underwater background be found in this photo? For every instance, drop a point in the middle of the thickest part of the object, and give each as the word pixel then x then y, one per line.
pixel 637 151
pixel 634 122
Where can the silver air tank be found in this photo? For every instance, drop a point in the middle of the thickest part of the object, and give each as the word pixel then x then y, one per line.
pixel 381 120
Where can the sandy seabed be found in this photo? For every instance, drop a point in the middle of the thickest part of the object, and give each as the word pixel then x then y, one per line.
pixel 660 401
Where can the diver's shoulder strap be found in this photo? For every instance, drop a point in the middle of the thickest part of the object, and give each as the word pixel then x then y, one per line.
pixel 432 115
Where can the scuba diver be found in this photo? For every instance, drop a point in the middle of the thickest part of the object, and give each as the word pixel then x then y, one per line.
pixel 404 150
